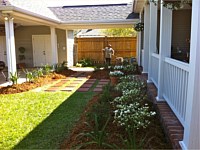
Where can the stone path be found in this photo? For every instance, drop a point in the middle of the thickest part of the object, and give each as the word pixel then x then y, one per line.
pixel 79 82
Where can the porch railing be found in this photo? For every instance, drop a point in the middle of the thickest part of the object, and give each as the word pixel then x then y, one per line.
pixel 175 86
pixel 155 67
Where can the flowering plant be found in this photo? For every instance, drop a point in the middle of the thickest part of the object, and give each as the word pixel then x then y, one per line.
pixel 133 115
pixel 118 67
pixel 116 73
pixel 139 27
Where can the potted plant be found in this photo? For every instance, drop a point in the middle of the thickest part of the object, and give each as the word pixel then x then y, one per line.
pixel 21 57
pixel 114 76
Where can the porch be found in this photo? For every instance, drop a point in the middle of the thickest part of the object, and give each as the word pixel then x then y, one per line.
pixel 176 80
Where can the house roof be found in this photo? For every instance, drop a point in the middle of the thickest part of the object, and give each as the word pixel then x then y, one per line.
pixel 69 16
pixel 34 6
pixel 94 12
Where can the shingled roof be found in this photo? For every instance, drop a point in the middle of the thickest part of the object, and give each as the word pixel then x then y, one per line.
pixel 94 12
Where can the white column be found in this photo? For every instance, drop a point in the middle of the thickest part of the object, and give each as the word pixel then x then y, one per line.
pixel 10 45
pixel 146 38
pixel 192 120
pixel 54 46
pixel 165 45
pixel 139 46
pixel 70 47
pixel 152 36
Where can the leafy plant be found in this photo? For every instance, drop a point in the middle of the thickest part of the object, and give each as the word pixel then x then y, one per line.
pixel 85 63
pixel 14 77
pixel 97 135
pixel 61 66
pixel 47 69
pixel 29 75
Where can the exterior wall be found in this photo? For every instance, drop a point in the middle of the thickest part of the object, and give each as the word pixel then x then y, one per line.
pixel 62 50
pixel 23 38
pixel 181 30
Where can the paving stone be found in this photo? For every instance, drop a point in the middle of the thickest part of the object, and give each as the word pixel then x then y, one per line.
pixel 68 89
pixel 97 89
pixel 90 82
pixel 92 79
pixel 86 85
pixel 65 80
pixel 107 80
pixel 83 89
pixel 73 84
pixel 52 89
pixel 100 86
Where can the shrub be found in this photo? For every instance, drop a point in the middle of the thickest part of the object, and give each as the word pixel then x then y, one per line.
pixel 14 77
pixel 85 62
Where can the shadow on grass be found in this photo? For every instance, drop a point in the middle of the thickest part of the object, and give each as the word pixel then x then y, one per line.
pixel 50 133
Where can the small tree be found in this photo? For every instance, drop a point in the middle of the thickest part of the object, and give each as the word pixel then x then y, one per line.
pixel 120 32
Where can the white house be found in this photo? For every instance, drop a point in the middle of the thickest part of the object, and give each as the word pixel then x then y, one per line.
pixel 177 78
pixel 46 31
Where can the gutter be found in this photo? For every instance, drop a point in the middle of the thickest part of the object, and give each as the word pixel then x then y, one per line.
pixel 121 21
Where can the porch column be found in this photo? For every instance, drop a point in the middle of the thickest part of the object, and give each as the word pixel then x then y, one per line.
pixel 152 36
pixel 10 45
pixel 146 38
pixel 139 46
pixel 165 45
pixel 70 47
pixel 192 120
pixel 54 46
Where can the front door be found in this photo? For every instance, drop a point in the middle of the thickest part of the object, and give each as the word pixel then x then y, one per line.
pixel 3 56
pixel 42 53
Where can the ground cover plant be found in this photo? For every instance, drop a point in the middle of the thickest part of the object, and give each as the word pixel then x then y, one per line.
pixel 41 120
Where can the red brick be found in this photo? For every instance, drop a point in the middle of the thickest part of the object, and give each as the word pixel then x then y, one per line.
pixel 97 90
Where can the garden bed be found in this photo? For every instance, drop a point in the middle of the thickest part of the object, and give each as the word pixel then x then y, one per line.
pixel 40 81
pixel 115 136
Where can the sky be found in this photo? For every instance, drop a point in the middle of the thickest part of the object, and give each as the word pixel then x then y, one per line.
pixel 84 2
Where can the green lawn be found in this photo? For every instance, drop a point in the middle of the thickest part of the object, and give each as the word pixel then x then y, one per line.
pixel 39 120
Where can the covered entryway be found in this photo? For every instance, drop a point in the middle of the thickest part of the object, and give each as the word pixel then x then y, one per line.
pixel 41 50
pixel 3 56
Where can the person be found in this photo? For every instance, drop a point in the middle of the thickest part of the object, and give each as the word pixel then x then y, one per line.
pixel 108 52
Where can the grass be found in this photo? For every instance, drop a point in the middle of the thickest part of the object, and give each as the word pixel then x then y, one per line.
pixel 39 120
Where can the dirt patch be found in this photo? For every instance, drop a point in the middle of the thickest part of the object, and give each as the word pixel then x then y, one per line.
pixel 43 80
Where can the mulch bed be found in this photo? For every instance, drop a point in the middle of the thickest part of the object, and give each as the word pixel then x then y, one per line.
pixel 155 134
pixel 100 74
pixel 26 86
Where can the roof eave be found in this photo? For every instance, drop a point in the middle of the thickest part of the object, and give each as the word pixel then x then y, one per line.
pixel 100 24
pixel 139 5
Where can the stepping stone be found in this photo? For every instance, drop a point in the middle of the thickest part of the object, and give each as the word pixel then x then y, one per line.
pixel 99 86
pixel 83 89
pixel 78 79
pixel 68 89
pixel 85 85
pixel 65 80
pixel 76 82
pixel 73 84
pixel 70 86
pixel 97 89
pixel 52 89
pixel 105 80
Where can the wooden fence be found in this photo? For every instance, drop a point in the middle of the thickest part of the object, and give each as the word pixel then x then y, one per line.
pixel 92 48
